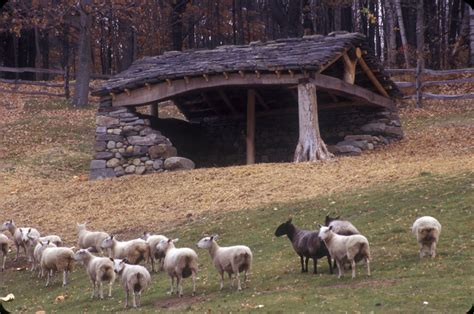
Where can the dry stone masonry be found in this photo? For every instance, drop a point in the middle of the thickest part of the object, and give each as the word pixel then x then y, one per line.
pixel 126 144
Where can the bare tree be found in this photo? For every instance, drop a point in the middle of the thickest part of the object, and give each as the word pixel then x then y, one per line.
pixel 403 36
pixel 83 65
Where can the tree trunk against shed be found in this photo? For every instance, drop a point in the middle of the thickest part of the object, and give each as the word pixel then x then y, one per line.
pixel 401 25
pixel 81 90
pixel 310 146
pixel 420 45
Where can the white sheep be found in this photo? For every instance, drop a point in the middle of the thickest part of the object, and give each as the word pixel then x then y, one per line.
pixel 99 269
pixel 155 256
pixel 232 259
pixel 37 253
pixel 3 249
pixel 427 230
pixel 346 249
pixel 179 263
pixel 134 251
pixel 33 246
pixel 86 238
pixel 135 279
pixel 55 259
pixel 341 227
pixel 19 235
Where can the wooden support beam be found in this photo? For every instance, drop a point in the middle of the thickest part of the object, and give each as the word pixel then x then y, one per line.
pixel 349 68
pixel 226 76
pixel 169 82
pixel 257 73
pixel 310 146
pixel 261 101
pixel 206 77
pixel 250 139
pixel 242 74
pixel 370 74
pixel 227 101
pixel 278 73
pixel 127 91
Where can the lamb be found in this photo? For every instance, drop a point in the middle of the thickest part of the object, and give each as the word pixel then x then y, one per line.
pixel 306 244
pixel 152 241
pixel 57 259
pixel 3 249
pixel 179 263
pixel 346 249
pixel 341 227
pixel 99 269
pixel 88 238
pixel 427 230
pixel 134 278
pixel 17 234
pixel 232 259
pixel 134 251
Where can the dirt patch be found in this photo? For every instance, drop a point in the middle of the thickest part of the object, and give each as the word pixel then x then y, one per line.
pixel 176 303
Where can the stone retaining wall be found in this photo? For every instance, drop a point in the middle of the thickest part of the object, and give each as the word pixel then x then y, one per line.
pixel 126 144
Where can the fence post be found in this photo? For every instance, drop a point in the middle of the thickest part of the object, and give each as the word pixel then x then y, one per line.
pixel 419 83
pixel 66 82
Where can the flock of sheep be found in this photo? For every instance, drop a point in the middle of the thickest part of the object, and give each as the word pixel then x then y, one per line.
pixel 338 240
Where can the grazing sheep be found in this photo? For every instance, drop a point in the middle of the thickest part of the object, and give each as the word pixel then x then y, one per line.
pixel 99 269
pixel 3 249
pixel 306 244
pixel 341 227
pixel 152 241
pixel 179 263
pixel 346 249
pixel 427 230
pixel 134 251
pixel 134 278
pixel 57 259
pixel 88 238
pixel 18 235
pixel 232 259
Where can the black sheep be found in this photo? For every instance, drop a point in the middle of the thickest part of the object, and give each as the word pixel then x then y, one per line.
pixel 306 244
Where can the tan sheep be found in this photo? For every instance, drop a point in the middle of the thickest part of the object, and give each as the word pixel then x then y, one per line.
pixel 86 238
pixel 99 269
pixel 135 279
pixel 33 247
pixel 155 256
pixel 57 259
pixel 427 230
pixel 3 249
pixel 134 251
pixel 231 259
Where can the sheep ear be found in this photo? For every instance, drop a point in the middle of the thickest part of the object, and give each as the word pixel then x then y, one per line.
pixel 215 237
pixel 29 230
pixel 320 226
pixel 48 242
pixel 175 240
pixel 125 261
pixel 111 259
pixel 290 219
pixel 330 228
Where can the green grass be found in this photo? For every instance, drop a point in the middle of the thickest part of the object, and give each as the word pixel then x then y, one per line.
pixel 400 282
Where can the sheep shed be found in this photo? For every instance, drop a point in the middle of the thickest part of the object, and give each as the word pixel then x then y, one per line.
pixel 294 99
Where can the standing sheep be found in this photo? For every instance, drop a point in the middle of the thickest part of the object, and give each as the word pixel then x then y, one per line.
pixel 17 234
pixel 341 227
pixel 135 278
pixel 33 246
pixel 232 259
pixel 179 263
pixel 427 230
pixel 88 238
pixel 99 269
pixel 306 244
pixel 55 259
pixel 153 240
pixel 37 254
pixel 134 251
pixel 346 249
pixel 3 249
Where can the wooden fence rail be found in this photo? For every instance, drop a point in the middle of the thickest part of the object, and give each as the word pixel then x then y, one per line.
pixel 419 84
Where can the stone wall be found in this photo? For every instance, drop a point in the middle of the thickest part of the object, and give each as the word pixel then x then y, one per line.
pixel 126 144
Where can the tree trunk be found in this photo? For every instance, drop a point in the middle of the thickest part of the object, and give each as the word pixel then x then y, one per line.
pixel 310 146
pixel 81 89
pixel 420 45
pixel 390 34
pixel 471 34
pixel 403 36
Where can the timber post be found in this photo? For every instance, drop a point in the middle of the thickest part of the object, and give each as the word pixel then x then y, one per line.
pixel 311 146
pixel 250 138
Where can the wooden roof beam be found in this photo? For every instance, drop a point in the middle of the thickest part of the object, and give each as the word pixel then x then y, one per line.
pixel 227 101
pixel 370 74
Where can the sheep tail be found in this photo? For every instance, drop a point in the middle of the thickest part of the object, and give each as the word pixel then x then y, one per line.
pixel 70 263
pixel 186 272
pixel 137 286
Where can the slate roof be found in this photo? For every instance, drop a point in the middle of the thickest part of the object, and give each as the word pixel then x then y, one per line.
pixel 308 53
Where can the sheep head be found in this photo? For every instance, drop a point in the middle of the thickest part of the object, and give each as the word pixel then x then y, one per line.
pixel 284 228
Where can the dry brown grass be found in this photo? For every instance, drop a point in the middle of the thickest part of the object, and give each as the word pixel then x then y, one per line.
pixel 439 140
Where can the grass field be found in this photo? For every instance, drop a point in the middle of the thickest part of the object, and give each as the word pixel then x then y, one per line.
pixel 400 281
pixel 44 155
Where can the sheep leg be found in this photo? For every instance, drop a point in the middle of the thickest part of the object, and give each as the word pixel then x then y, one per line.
pixel 134 299
pixel 93 289
pixel 237 274
pixel 126 297
pixel 178 286
pixel 139 298
pixel 172 285
pixel 17 251
pixel 339 268
pixel 152 260
pixel 421 251
pixel 222 279
pixel 48 278
pixel 231 281
pixel 194 283
pixel 367 264
pixel 433 249
pixel 315 265
pixel 4 258
pixel 331 269
pixel 64 278
pixel 101 290
pixel 306 264
pixel 302 263
pixel 353 266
